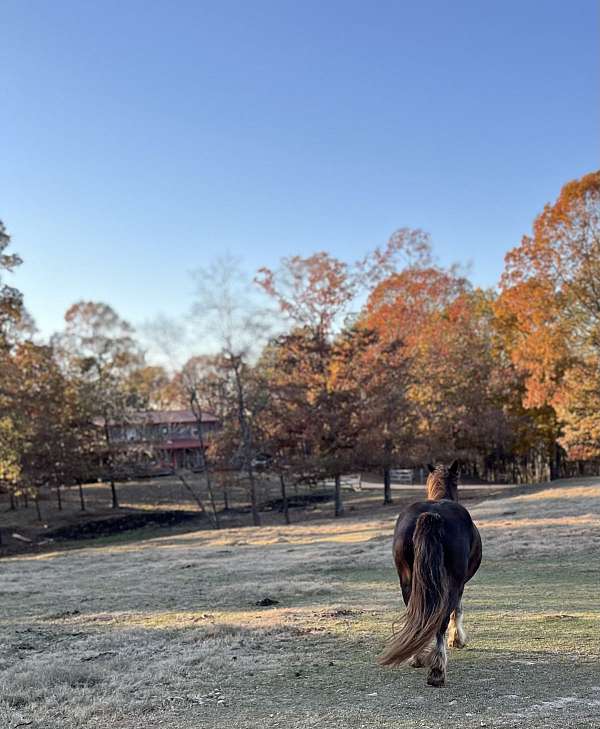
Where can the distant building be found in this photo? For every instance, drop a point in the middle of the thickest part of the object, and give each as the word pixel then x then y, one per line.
pixel 171 436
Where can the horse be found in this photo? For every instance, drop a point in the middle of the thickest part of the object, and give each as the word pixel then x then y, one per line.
pixel 437 550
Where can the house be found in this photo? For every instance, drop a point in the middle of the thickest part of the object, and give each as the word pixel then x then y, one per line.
pixel 170 437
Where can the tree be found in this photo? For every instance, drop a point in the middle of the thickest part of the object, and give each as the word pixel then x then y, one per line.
pixel 13 320
pixel 411 313
pixel 227 315
pixel 10 452
pixel 44 414
pixel 317 290
pixel 11 299
pixel 448 373
pixel 100 354
pixel 314 294
pixel 152 388
pixel 307 407
pixel 550 310
pixel 43 434
pixel 387 414
pixel 199 382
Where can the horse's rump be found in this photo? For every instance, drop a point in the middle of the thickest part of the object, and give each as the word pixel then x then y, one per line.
pixel 458 534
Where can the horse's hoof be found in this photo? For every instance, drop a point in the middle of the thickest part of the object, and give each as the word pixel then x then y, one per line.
pixel 415 662
pixel 436 678
pixel 456 643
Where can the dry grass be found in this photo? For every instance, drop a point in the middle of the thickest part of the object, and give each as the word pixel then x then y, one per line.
pixel 167 633
pixel 146 497
pixel 558 520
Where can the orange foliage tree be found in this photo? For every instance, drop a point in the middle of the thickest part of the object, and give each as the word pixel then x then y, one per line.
pixel 457 382
pixel 549 310
pixel 319 381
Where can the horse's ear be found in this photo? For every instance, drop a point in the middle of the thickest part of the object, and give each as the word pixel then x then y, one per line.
pixel 430 468
pixel 454 468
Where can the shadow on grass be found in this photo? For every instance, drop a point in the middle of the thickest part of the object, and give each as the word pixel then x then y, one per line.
pixel 236 675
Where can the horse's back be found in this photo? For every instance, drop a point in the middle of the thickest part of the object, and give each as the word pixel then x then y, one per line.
pixel 461 541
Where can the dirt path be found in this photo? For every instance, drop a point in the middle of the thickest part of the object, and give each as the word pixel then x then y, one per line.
pixel 168 632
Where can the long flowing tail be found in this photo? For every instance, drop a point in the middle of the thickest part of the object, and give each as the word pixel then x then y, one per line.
pixel 428 604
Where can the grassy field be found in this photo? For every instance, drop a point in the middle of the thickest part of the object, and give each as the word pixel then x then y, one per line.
pixel 170 632
pixel 148 497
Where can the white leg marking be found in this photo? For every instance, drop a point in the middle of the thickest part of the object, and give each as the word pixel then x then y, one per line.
pixel 457 638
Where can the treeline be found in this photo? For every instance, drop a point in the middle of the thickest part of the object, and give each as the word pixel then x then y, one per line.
pixel 390 361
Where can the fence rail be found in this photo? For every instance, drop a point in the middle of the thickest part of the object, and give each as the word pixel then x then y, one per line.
pixel 347 481
pixel 402 475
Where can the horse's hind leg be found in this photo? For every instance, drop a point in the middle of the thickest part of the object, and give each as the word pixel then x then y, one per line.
pixel 457 638
pixel 438 660
pixel 422 659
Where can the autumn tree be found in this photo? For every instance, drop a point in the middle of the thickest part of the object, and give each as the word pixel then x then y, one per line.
pixel 10 451
pixel 100 354
pixel 314 294
pixel 200 386
pixel 48 424
pixel 453 381
pixel 12 316
pixel 404 310
pixel 11 299
pixel 229 318
pixel 152 388
pixel 388 418
pixel 317 290
pixel 550 311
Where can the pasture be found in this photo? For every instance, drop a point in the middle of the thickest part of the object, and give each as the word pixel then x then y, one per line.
pixel 280 627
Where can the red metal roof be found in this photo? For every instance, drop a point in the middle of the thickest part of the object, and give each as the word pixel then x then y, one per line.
pixel 175 416
pixel 161 417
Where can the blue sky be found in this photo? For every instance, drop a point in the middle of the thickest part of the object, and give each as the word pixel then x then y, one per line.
pixel 141 139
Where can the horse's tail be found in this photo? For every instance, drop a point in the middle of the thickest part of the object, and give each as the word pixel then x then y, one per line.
pixel 428 604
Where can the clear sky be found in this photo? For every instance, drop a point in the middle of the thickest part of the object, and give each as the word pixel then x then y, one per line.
pixel 140 139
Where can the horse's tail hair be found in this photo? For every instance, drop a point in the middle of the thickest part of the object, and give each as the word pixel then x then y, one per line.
pixel 428 604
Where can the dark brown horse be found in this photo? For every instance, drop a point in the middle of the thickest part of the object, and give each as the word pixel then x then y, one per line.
pixel 437 549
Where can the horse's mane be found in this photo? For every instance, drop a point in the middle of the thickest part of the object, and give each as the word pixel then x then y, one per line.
pixel 439 482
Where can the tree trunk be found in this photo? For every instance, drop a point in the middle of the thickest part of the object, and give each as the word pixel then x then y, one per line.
pixel 25 500
pixel 284 500
pixel 253 499
pixel 58 497
pixel 387 476
pixel 110 463
pixel 225 498
pixel 387 485
pixel 197 410
pixel 13 504
pixel 339 507
pixel 81 499
pixel 246 438
pixel 197 499
pixel 37 507
pixel 213 506
pixel 113 491
pixel 555 462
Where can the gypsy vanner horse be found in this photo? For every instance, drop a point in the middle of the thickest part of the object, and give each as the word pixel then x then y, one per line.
pixel 437 549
